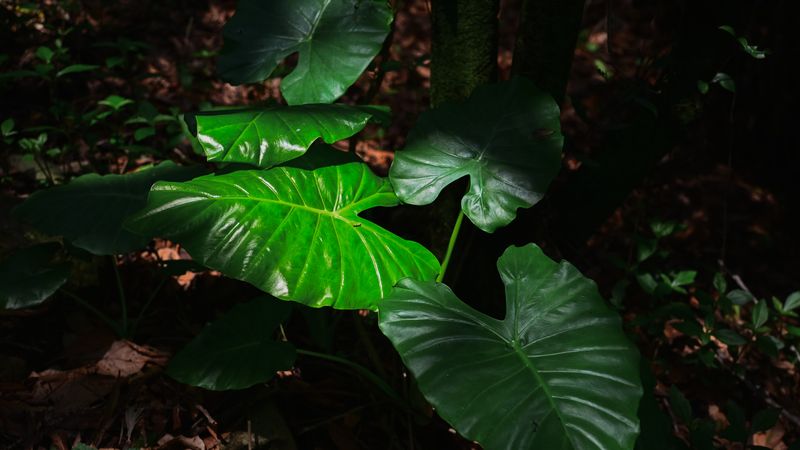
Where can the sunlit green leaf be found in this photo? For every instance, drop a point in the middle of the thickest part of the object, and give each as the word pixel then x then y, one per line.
pixel 293 233
pixel 268 137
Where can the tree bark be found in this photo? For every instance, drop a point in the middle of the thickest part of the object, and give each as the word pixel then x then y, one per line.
pixel 463 47
pixel 548 32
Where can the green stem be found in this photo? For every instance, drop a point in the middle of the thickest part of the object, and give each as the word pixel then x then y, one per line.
pixel 361 370
pixel 113 325
pixel 122 300
pixel 451 245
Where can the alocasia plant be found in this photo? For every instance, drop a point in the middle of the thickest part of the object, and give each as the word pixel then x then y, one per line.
pixel 556 373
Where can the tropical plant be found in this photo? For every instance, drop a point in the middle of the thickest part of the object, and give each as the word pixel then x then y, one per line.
pixel 284 212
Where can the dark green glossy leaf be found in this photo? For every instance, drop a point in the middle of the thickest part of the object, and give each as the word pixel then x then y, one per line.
pixel 792 302
pixel 335 41
pixel 740 297
pixel 730 337
pixel 680 406
pixel 237 350
pixel 28 277
pixel 269 137
pixel 760 314
pixel 90 210
pixel 506 137
pixel 765 419
pixel 293 233
pixel 557 373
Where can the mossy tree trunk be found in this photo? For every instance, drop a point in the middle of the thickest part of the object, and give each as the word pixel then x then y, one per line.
pixel 546 41
pixel 463 48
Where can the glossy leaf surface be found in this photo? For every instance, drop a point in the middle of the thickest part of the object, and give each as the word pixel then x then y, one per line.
pixel 269 137
pixel 335 41
pixel 557 373
pixel 506 138
pixel 293 233
pixel 90 210
pixel 237 350
pixel 28 277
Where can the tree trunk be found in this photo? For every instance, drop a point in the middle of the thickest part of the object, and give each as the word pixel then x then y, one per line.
pixel 463 47
pixel 545 44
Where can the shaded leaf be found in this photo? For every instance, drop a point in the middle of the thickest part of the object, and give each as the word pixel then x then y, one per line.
pixel 557 373
pixel 89 211
pixel 293 233
pixel 764 420
pixel 680 406
pixel 760 314
pixel 268 137
pixel 506 138
pixel 76 68
pixel 792 302
pixel 335 41
pixel 237 350
pixel 28 277
pixel 730 337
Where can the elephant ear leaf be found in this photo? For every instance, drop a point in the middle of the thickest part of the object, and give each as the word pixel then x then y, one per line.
pixel 29 276
pixel 335 41
pixel 89 211
pixel 271 136
pixel 293 233
pixel 238 350
pixel 506 138
pixel 557 373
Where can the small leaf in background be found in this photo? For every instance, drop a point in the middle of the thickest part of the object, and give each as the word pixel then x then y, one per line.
pixel 645 248
pixel 556 373
pixel 760 314
pixel 737 428
pixel 143 133
pixel 680 406
pixel 115 102
pixel 7 128
pixel 506 138
pixel 770 345
pixel 663 228
pixel 76 68
pixel 792 302
pixel 238 350
pixel 730 337
pixel 45 54
pixel 740 297
pixel 702 87
pixel 764 420
pixel 689 328
pixel 28 277
pixel 720 283
pixel 725 81
pixel 684 278
pixel 89 210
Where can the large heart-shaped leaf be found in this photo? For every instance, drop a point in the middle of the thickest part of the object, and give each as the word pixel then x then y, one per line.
pixel 506 137
pixel 335 41
pixel 294 233
pixel 28 277
pixel 237 350
pixel 268 137
pixel 90 210
pixel 557 373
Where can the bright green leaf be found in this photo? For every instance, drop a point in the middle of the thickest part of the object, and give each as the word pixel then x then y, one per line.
pixel 90 210
pixel 506 137
pixel 557 373
pixel 76 68
pixel 293 233
pixel 268 137
pixel 28 277
pixel 335 41
pixel 237 350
